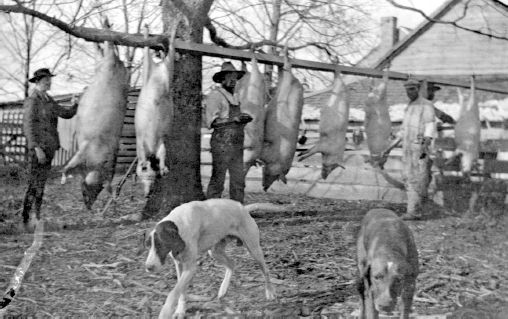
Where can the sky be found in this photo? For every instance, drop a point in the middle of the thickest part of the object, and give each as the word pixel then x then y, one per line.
pixel 380 8
pixel 406 18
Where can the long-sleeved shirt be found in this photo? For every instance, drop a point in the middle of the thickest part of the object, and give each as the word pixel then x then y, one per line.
pixel 419 120
pixel 40 121
pixel 217 105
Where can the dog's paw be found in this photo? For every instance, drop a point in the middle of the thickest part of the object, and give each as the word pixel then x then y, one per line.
pixel 222 293
pixel 179 315
pixel 164 170
pixel 63 180
pixel 270 294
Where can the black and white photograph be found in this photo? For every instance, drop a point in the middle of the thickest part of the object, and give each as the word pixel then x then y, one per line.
pixel 254 159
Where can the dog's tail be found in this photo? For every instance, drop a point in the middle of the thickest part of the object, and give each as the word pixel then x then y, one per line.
pixel 267 207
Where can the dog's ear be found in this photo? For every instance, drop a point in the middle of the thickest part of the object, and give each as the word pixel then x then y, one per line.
pixel 360 286
pixel 168 232
pixel 366 274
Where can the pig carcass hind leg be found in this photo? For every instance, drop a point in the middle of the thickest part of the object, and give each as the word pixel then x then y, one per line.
pixel 327 169
pixel 308 153
pixel 453 158
pixel 161 155
pixel 268 181
pixel 76 160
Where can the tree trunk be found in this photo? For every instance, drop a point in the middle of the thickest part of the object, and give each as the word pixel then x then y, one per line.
pixel 183 183
pixel 274 32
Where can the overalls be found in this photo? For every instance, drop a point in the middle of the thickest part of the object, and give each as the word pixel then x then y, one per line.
pixel 227 154
pixel 416 169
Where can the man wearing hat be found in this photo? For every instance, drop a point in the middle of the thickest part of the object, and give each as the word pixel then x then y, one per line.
pixel 224 117
pixel 416 133
pixel 40 121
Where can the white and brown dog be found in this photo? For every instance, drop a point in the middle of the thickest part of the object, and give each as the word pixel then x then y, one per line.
pixel 193 228
pixel 387 263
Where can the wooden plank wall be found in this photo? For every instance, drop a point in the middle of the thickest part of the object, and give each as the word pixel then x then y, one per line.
pixel 446 50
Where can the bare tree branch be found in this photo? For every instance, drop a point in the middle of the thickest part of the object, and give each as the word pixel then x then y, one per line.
pixel 452 23
pixel 92 34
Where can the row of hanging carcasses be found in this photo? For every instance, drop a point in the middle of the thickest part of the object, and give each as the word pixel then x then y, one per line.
pixel 100 118
pixel 274 145
pixel 270 138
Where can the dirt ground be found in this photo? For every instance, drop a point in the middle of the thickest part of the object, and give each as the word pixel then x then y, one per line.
pixel 92 269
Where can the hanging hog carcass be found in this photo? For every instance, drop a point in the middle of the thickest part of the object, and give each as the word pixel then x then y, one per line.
pixel 281 127
pixel 378 125
pixel 333 123
pixel 251 92
pixel 467 131
pixel 153 117
pixel 99 123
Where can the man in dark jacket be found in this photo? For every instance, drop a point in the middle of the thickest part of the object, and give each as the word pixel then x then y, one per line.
pixel 40 121
pixel 223 115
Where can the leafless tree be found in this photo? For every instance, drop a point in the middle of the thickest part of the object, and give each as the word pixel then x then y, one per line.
pixel 24 40
pixel 299 24
pixel 318 30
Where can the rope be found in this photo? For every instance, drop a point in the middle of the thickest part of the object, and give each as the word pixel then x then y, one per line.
pixel 23 266
pixel 119 186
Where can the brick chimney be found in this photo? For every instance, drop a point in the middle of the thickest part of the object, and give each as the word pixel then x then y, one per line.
pixel 389 33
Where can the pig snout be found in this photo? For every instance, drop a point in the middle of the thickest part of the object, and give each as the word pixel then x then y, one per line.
pixel 90 193
pixel 467 162
pixel 147 176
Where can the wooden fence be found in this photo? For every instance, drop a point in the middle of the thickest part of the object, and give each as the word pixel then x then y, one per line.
pixel 357 181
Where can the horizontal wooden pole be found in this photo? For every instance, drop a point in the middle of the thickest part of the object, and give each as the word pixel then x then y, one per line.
pixel 221 52
pixel 242 55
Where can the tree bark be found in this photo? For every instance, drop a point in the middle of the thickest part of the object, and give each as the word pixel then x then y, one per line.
pixel 274 32
pixel 183 183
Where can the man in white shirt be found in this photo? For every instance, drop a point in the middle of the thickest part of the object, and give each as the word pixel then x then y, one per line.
pixel 417 132
pixel 223 115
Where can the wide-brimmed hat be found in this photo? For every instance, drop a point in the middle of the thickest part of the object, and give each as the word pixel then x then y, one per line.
pixel 412 83
pixel 227 67
pixel 39 74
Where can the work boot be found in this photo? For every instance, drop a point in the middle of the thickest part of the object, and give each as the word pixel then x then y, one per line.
pixel 411 216
pixel 26 226
pixel 414 207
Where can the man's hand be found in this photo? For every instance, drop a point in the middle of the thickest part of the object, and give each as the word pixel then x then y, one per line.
pixel 41 157
pixel 243 118
pixel 445 118
pixel 426 141
pixel 74 99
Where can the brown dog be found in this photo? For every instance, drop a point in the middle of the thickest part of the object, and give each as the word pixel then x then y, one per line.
pixel 387 263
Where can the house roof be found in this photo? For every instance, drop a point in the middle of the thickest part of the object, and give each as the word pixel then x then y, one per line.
pixel 421 28
pixel 412 36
